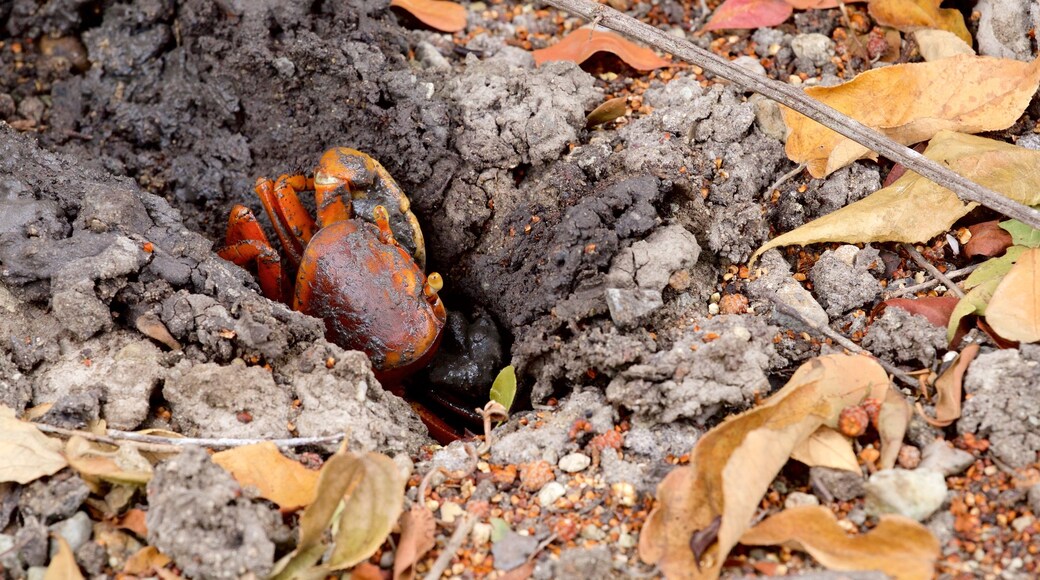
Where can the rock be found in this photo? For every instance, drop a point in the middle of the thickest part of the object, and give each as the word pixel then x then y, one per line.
pixel 481 534
pixel 940 456
pixel 512 550
pixel 768 117
pixel 1003 30
pixel 902 337
pixel 640 272
pixel 915 494
pixel 53 498
pixel 551 492
pixel 450 511
pixel 586 563
pixel 1034 498
pixel 75 530
pixel 836 484
pixel 574 462
pixel 797 498
pixel 842 280
pixel 750 64
pixel 593 532
pixel 431 58
pixel 1001 403
pixel 514 444
pixel 775 283
pixel 628 307
pixel 814 47
pixel 1022 522
pixel 285 67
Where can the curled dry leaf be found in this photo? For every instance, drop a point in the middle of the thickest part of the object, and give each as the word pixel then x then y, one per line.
pixel 26 454
pixel 909 15
pixel 63 565
pixel 987 239
pixel 1014 310
pixel 278 478
pixel 440 14
pixel 937 44
pixel 743 14
pixel 898 546
pixel 579 45
pixel 417 538
pixel 607 112
pixel 124 466
pixel 974 302
pixel 915 209
pixel 827 448
pixel 948 389
pixel 912 102
pixel 732 465
pixel 144 561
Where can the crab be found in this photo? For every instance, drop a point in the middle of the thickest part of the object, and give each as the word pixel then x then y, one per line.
pixel 364 279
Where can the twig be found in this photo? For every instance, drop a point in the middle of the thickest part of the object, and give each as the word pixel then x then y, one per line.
pixel 842 341
pixel 783 178
pixel 917 257
pixel 928 284
pixel 157 443
pixel 420 495
pixel 462 529
pixel 798 100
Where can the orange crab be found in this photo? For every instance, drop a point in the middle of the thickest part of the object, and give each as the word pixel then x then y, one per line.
pixel 364 279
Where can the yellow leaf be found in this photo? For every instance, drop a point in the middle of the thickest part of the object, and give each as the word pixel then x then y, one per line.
pixel 939 44
pixel 142 562
pixel 898 546
pixel 1014 310
pixel 909 15
pixel 912 102
pixel 278 478
pixel 122 466
pixel 915 209
pixel 711 502
pixel 63 566
pixel 827 448
pixel 26 454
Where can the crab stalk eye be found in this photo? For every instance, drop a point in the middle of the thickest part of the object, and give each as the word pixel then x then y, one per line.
pixel 382 218
pixel 432 286
pixel 324 180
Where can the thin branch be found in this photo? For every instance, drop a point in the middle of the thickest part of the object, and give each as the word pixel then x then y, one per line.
pixel 928 284
pixel 842 341
pixel 784 178
pixel 798 100
pixel 166 444
pixel 462 530
pixel 917 257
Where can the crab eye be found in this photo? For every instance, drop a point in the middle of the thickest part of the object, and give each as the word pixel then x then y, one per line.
pixel 325 180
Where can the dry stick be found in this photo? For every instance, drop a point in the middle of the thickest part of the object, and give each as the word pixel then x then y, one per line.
pixel 166 444
pixel 926 285
pixel 798 100
pixel 462 530
pixel 933 270
pixel 842 341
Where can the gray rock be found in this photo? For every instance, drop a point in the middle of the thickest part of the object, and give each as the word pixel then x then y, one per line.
pixel 814 47
pixel 941 526
pixel 512 550
pixel 939 456
pixel 629 306
pixel 285 67
pixel 915 494
pixel 1034 498
pixel 768 117
pixel 842 279
pixel 776 283
pixel 595 562
pixel 514 444
pixel 75 530
pixel 1003 30
pixel 551 492
pixel 899 336
pixel 574 462
pixel 1022 522
pixel 797 498
pixel 836 484
pixel 53 498
pixel 1002 405
pixel 431 58
pixel 750 64
pixel 649 263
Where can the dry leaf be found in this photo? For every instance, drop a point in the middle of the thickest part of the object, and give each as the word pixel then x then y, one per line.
pixel 63 565
pixel 897 546
pixel 142 562
pixel 939 44
pixel 910 15
pixel 987 239
pixel 134 521
pixel 605 113
pixel 827 448
pixel 974 302
pixel 417 537
pixel 915 209
pixel 732 465
pixel 521 572
pixel 936 309
pixel 26 454
pixel 579 45
pixel 124 466
pixel 820 4
pixel 278 478
pixel 439 14
pixel 893 421
pixel 1014 310
pixel 912 102
pixel 948 389
pixel 741 14
pixel 994 268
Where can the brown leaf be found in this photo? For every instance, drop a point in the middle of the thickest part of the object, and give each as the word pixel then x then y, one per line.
pixel 417 538
pixel 898 546
pixel 440 14
pixel 278 478
pixel 134 521
pixel 579 45
pixel 987 239
pixel 366 571
pixel 142 562
pixel 732 465
pixel 63 566
pixel 607 112
pixel 26 454
pixel 1014 310
pixel 912 102
pixel 936 309
pixel 827 448
pixel 910 15
pixel 743 14
pixel 949 388
pixel 521 572
pixel 820 4
pixel 893 420
pixel 915 209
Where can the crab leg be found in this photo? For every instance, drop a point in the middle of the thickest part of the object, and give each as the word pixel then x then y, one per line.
pixel 247 244
pixel 290 219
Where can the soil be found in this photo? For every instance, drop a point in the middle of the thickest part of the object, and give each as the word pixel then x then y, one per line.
pixel 603 263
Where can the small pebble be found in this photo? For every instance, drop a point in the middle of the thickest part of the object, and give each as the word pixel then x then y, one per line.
pixel 592 532
pixel 990 470
pixel 625 493
pixel 574 462
pixel 797 498
pixel 909 457
pixel 915 494
pixel 713 309
pixel 626 541
pixel 481 534
pixel 551 492
pixel 76 531
pixel 938 456
pixel 1022 522
pixel 450 511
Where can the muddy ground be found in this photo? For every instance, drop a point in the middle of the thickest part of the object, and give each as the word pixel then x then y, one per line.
pixel 594 260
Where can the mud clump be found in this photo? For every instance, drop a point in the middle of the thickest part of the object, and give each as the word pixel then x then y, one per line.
pixel 1002 405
